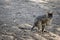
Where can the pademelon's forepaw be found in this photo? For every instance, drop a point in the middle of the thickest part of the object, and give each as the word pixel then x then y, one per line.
pixel 45 31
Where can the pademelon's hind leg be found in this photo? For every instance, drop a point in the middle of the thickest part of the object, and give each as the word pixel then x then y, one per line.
pixel 35 25
pixel 32 28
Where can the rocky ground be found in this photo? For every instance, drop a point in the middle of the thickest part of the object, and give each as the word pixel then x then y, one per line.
pixel 17 17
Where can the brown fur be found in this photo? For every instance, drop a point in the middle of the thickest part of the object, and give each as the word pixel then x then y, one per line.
pixel 42 21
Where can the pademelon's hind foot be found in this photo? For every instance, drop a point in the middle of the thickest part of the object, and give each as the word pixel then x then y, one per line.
pixel 32 28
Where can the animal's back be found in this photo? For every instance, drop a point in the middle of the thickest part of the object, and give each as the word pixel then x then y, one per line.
pixel 41 18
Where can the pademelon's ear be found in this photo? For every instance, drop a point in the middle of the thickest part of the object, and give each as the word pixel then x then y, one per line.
pixel 50 12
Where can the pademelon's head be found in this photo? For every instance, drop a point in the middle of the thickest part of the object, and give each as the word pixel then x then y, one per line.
pixel 50 14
